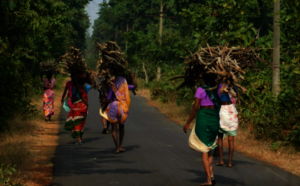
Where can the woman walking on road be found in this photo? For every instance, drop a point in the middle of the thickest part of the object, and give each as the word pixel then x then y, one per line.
pixel 68 88
pixel 228 124
pixel 77 116
pixel 48 99
pixel 204 134
pixel 117 111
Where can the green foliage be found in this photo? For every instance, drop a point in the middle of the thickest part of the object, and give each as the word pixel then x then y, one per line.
pixel 33 31
pixel 6 174
pixel 294 135
pixel 215 22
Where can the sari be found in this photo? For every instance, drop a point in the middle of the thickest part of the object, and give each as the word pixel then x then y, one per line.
pixel 117 111
pixel 48 98
pixel 203 137
pixel 77 116
pixel 229 121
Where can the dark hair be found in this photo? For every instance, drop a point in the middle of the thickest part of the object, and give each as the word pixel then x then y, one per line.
pixel 49 74
pixel 210 79
pixel 81 80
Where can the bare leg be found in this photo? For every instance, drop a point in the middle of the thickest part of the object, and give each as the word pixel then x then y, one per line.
pixel 104 126
pixel 220 144
pixel 210 160
pixel 104 122
pixel 231 150
pixel 206 164
pixel 107 126
pixel 115 135
pixel 122 133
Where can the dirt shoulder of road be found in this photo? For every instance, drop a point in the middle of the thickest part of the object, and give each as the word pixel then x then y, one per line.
pixel 30 144
pixel 43 145
pixel 286 158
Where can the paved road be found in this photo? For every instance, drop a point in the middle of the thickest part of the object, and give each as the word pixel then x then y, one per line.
pixel 157 154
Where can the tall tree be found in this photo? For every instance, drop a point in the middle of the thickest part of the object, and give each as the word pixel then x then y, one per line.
pixel 276 51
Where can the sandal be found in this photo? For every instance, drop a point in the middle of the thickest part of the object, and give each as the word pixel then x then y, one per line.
pixel 104 131
pixel 229 166
pixel 219 164
pixel 78 143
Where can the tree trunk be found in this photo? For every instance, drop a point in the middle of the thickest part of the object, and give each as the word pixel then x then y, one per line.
pixel 146 75
pixel 158 73
pixel 126 40
pixel 160 33
pixel 276 51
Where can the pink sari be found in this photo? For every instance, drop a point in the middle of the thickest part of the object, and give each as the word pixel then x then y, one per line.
pixel 48 99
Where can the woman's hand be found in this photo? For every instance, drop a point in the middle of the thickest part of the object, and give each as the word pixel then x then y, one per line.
pixel 186 127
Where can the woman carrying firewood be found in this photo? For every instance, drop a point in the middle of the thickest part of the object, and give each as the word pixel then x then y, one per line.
pixel 48 99
pixel 203 137
pixel 77 116
pixel 228 123
pixel 118 108
pixel 68 88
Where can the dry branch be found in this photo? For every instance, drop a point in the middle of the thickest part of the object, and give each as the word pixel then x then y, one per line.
pixel 112 63
pixel 227 63
pixel 48 66
pixel 73 62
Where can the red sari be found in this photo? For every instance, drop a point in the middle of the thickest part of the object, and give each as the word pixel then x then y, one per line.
pixel 77 116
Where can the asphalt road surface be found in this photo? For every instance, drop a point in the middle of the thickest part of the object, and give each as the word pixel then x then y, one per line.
pixel 157 154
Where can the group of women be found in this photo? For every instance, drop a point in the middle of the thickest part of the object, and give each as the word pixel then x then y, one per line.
pixel 216 116
pixel 115 106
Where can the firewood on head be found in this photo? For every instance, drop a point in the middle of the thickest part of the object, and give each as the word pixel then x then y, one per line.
pixel 229 63
pixel 112 63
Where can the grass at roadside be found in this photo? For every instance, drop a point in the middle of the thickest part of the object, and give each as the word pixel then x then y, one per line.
pixel 286 158
pixel 30 143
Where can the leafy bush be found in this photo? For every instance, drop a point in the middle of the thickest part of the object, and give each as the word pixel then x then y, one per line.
pixel 6 174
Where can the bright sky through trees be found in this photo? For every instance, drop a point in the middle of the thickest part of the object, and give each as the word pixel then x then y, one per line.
pixel 92 10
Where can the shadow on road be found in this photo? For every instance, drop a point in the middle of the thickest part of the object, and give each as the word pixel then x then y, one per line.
pixel 219 179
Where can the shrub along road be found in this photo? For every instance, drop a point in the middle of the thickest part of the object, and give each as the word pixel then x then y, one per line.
pixel 157 153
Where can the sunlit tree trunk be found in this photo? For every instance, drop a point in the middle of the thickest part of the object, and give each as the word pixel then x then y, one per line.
pixel 145 71
pixel 160 34
pixel 276 51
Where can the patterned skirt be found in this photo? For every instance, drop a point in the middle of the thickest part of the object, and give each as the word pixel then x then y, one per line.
pixel 76 119
pixel 115 113
pixel 203 137
pixel 48 102
pixel 229 121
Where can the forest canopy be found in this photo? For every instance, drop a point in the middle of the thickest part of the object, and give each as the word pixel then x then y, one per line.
pixel 33 31
pixel 134 25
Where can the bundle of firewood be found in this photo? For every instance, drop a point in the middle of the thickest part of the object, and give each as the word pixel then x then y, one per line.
pixel 48 66
pixel 228 63
pixel 112 63
pixel 73 62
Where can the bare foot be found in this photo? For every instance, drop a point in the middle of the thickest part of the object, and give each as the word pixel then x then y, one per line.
pixel 220 164
pixel 206 183
pixel 121 149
